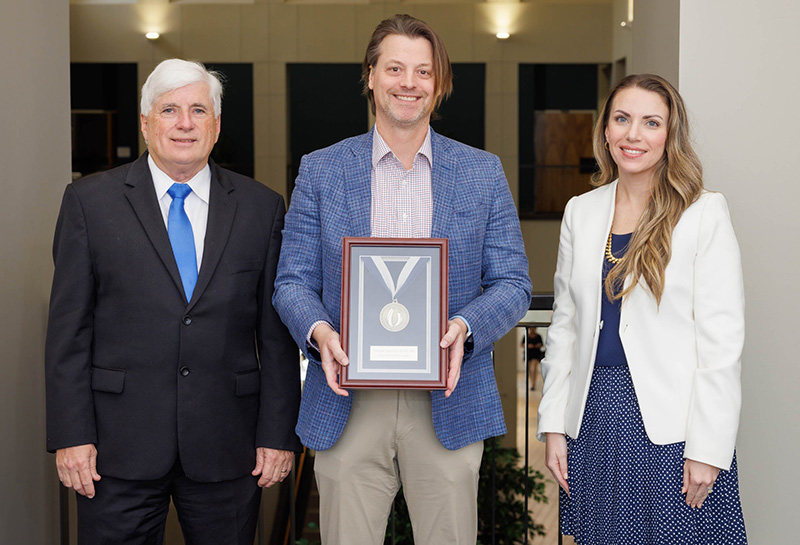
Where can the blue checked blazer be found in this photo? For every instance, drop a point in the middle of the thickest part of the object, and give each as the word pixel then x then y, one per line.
pixel 489 283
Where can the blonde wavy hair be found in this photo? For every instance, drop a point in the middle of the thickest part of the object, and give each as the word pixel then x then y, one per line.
pixel 678 182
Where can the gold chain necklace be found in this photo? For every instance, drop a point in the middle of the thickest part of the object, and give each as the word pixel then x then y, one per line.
pixel 609 255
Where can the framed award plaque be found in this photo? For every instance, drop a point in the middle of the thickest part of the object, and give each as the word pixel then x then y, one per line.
pixel 394 312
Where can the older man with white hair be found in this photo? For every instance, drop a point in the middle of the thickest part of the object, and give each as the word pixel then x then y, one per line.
pixel 169 374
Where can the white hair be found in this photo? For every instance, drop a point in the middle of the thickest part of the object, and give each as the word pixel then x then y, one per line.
pixel 173 74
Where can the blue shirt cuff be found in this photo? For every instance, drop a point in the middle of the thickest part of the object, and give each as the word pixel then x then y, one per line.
pixel 469 328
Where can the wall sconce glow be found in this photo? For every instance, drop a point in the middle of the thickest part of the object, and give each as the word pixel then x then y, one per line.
pixel 502 18
pixel 152 35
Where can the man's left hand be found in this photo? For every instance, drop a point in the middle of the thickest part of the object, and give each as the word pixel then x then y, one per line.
pixel 273 465
pixel 454 339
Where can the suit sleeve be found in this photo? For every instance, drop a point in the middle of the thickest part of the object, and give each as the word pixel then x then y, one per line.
pixel 68 346
pixel 719 323
pixel 298 287
pixel 279 358
pixel 506 286
pixel 561 338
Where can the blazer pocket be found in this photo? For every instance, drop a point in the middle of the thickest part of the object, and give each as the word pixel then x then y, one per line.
pixel 236 267
pixel 108 380
pixel 469 209
pixel 248 383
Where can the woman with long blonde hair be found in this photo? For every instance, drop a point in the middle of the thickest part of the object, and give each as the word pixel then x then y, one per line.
pixel 642 387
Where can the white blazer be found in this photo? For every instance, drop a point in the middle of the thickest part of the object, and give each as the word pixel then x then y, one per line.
pixel 684 356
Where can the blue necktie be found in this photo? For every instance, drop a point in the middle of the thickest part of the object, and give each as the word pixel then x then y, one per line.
pixel 182 238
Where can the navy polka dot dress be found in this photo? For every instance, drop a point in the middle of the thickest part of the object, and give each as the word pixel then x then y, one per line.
pixel 625 490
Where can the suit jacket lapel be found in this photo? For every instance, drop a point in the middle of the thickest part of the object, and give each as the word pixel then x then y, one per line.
pixel 443 186
pixel 358 184
pixel 141 193
pixel 221 211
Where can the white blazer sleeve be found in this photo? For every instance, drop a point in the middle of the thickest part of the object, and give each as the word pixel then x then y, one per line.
pixel 719 321
pixel 560 352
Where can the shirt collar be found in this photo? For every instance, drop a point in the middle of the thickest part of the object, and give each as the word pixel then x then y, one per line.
pixel 200 183
pixel 380 148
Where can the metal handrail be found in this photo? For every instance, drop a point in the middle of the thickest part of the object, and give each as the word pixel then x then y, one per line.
pixel 540 303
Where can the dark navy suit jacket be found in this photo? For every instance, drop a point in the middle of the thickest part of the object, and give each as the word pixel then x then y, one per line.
pixel 141 372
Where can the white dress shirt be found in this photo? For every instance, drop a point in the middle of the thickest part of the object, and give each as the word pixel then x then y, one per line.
pixel 195 204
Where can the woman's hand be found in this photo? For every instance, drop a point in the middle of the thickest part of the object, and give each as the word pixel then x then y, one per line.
pixel 555 458
pixel 698 482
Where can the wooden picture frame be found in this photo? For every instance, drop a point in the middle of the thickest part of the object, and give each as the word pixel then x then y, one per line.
pixel 394 312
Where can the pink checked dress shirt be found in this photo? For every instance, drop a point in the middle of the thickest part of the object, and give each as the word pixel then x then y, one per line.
pixel 402 205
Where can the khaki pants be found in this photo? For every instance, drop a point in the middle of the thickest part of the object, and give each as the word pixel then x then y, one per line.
pixel 388 441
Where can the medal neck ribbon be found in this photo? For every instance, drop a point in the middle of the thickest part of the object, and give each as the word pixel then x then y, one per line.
pixel 394 289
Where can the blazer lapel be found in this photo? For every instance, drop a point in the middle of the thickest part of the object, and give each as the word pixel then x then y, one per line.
pixel 604 217
pixel 141 193
pixel 358 181
pixel 443 173
pixel 221 211
pixel 598 230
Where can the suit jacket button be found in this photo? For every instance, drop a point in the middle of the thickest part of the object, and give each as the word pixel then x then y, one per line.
pixel 184 371
pixel 187 320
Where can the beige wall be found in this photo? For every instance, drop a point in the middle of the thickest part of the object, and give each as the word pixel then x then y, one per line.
pixel 650 41
pixel 739 75
pixel 622 37
pixel 272 33
pixel 655 45
pixel 35 155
